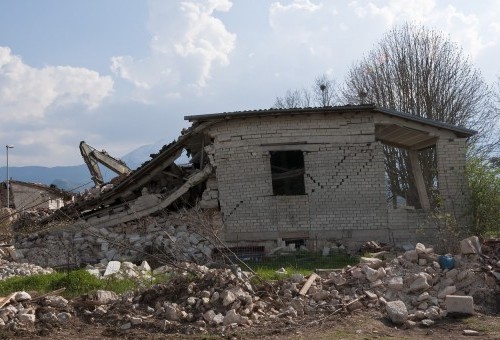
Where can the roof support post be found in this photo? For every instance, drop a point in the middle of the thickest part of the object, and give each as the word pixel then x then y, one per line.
pixel 419 179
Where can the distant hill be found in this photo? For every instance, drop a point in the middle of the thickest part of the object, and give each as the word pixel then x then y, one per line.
pixel 77 177
pixel 65 177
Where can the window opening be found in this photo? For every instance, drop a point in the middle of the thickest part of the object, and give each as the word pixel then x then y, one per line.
pixel 287 170
pixel 297 242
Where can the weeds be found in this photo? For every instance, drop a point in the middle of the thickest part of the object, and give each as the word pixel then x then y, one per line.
pixel 300 263
pixel 76 282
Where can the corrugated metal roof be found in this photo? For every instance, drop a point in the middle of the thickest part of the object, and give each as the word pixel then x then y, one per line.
pixel 461 131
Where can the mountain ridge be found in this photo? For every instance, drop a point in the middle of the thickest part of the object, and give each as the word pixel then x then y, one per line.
pixel 77 177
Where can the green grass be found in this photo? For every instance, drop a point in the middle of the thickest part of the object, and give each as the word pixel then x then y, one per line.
pixel 302 263
pixel 76 282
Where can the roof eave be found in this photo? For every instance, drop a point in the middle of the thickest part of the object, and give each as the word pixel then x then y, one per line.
pixel 460 131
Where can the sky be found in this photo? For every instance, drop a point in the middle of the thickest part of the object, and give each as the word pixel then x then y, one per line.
pixel 120 74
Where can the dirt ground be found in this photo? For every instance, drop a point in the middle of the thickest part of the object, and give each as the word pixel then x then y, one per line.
pixel 367 324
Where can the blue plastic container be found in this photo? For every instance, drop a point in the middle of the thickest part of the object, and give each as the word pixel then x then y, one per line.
pixel 446 261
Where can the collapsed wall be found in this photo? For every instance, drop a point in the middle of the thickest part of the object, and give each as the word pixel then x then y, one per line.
pixel 180 236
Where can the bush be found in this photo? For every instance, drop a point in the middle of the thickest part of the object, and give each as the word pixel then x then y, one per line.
pixel 484 186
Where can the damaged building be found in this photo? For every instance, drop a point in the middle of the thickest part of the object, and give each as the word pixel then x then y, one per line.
pixel 306 176
pixel 26 196
pixel 317 174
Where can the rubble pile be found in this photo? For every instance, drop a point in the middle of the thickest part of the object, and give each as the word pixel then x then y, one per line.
pixel 10 269
pixel 133 241
pixel 6 252
pixel 19 309
pixel 121 270
pixel 412 288
pixel 415 288
pixel 27 221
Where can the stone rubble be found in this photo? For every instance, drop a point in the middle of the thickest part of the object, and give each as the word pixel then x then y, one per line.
pixel 10 269
pixel 122 270
pixel 161 236
pixel 197 297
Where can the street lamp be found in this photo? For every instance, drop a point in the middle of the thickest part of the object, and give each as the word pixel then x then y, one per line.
pixel 7 147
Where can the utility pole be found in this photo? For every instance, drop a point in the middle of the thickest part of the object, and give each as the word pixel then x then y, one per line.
pixel 7 147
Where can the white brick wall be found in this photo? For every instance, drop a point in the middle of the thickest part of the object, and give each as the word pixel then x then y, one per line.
pixel 344 179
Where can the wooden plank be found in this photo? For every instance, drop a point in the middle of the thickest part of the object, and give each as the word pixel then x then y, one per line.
pixel 419 179
pixel 308 284
pixel 54 292
pixel 6 299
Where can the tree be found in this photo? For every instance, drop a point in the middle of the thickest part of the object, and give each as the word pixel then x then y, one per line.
pixel 421 72
pixel 323 93
pixel 293 99
pixel 484 183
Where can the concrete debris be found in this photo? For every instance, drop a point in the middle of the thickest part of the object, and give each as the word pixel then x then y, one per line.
pixel 113 267
pixel 10 269
pixel 22 296
pixel 427 322
pixel 103 297
pixel 197 296
pixel 371 262
pixel 470 245
pixel 56 302
pixel 124 270
pixel 373 247
pixel 169 236
pixel 23 310
pixel 397 312
pixel 462 305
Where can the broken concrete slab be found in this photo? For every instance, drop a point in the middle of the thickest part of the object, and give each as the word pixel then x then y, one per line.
pixel 461 305
pixel 112 268
pixel 470 245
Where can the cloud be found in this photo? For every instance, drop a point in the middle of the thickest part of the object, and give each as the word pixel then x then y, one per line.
pixel 394 11
pixel 187 42
pixel 27 93
pixel 293 21
pixel 472 28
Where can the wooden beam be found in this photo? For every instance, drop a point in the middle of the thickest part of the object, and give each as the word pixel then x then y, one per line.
pixel 424 144
pixel 419 179
pixel 308 284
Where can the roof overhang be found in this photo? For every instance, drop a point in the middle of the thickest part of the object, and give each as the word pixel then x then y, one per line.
pixel 457 130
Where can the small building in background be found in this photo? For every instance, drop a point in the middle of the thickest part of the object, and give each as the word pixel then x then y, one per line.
pixel 29 196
